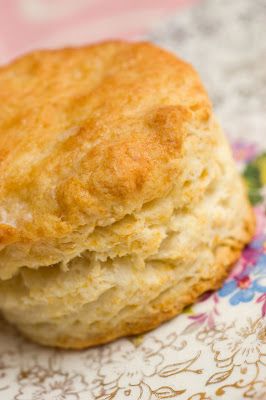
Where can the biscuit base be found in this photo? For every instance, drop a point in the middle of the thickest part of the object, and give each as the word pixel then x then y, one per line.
pixel 170 303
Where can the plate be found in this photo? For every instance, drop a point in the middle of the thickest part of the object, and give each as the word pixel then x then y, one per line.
pixel 216 349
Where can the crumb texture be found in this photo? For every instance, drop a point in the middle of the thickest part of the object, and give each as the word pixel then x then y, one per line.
pixel 119 198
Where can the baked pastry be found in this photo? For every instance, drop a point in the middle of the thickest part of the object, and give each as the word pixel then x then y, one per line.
pixel 119 200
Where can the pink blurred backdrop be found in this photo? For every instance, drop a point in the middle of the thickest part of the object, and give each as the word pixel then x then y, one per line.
pixel 28 24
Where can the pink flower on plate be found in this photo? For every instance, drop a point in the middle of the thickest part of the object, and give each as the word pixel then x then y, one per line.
pixel 244 151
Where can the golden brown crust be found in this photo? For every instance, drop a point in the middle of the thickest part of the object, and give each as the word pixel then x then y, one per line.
pixel 91 133
pixel 119 198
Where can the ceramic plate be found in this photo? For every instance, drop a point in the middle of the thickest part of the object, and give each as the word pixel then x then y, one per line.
pixel 217 348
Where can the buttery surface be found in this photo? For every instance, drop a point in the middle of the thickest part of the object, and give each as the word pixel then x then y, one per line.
pixel 119 199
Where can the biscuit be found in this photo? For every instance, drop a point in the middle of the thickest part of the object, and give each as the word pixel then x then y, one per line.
pixel 120 203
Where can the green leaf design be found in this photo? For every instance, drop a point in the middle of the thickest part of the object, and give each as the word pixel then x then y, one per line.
pixel 255 177
pixel 188 310
pixel 261 163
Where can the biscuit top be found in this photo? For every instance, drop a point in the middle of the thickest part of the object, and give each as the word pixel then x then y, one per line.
pixel 90 134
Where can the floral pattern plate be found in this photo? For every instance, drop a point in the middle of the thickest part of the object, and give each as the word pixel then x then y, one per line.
pixel 216 349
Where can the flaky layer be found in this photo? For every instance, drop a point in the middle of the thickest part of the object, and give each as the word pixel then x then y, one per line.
pixel 87 136
pixel 119 199
pixel 143 269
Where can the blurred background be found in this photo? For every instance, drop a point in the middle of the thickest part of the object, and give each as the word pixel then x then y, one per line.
pixel 224 39
pixel 226 42
pixel 25 24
